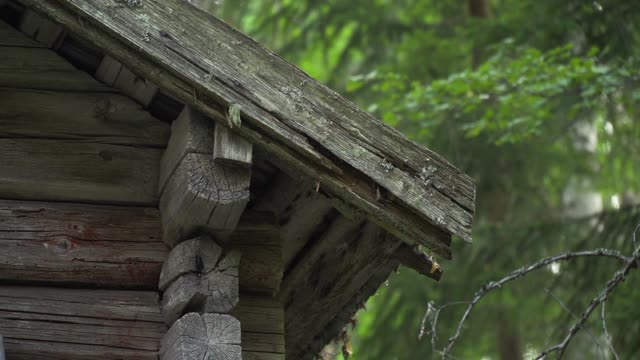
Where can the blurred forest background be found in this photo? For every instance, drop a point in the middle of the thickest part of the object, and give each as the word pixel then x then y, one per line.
pixel 538 101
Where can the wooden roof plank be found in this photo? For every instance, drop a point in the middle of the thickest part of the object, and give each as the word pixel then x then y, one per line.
pixel 208 64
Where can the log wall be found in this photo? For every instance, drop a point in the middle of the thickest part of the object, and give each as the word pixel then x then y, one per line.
pixel 78 269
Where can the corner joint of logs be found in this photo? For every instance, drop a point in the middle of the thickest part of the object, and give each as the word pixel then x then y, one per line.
pixel 201 188
pixel 201 198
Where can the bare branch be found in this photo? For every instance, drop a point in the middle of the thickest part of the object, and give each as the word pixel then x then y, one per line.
pixel 492 285
pixel 606 333
pixel 617 278
pixel 433 312
pixel 566 309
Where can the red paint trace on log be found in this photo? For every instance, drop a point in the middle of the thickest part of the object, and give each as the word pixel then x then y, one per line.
pixel 97 245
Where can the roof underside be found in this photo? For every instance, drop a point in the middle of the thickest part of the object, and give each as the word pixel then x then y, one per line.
pixel 407 189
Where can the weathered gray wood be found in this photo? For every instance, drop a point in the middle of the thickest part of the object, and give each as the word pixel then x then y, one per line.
pixel 64 170
pixel 262 320
pixel 96 117
pixel 344 316
pixel 2 355
pixel 257 237
pixel 197 337
pixel 230 148
pixel 197 193
pixel 57 323
pixel 41 29
pixel 41 68
pixel 291 115
pixel 198 255
pixel 300 211
pixel 197 276
pixel 328 277
pixel 78 244
pixel 112 73
pixel 135 86
pixel 191 132
pixel 11 37
pixel 201 195
pixel 416 259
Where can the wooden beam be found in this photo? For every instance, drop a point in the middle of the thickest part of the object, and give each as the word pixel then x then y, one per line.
pixel 262 322
pixel 198 276
pixel 90 117
pixel 197 193
pixel 41 29
pixel 78 171
pixel 231 149
pixel 78 244
pixel 300 210
pixel 191 133
pixel 207 336
pixel 416 259
pixel 113 246
pixel 42 69
pixel 292 116
pixel 327 279
pixel 114 74
pixel 58 323
pixel 345 316
pixel 257 237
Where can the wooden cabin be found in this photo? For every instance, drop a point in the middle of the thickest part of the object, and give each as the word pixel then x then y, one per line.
pixel 170 189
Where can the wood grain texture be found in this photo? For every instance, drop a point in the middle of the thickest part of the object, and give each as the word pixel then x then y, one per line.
pixel 257 237
pixel 89 245
pixel 328 277
pixel 198 276
pixel 231 149
pixel 198 193
pixel 197 337
pixel 43 69
pixel 294 117
pixel 113 73
pixel 416 259
pixel 342 317
pixel 262 321
pixel 300 210
pixel 66 170
pixel 202 196
pixel 57 323
pixel 191 133
pixel 135 87
pixel 95 117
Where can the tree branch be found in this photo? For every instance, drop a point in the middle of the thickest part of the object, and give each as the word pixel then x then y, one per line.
pixel 606 333
pixel 617 278
pixel 492 285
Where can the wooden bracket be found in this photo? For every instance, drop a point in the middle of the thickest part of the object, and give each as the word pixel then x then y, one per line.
pixel 198 193
pixel 198 276
pixel 207 336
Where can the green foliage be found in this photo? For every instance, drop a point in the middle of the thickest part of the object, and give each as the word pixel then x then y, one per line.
pixel 544 71
pixel 509 97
